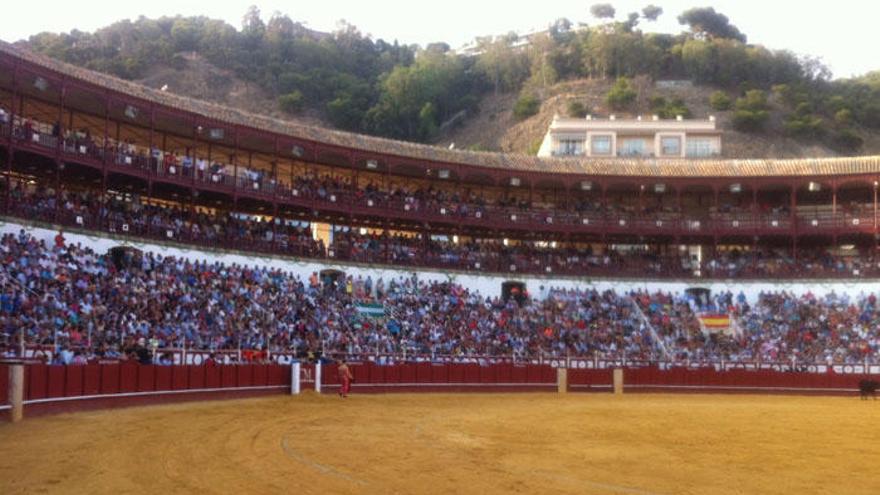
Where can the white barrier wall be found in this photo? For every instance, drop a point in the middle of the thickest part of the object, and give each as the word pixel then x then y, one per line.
pixel 485 284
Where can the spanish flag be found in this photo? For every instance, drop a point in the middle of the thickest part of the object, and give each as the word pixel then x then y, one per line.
pixel 715 321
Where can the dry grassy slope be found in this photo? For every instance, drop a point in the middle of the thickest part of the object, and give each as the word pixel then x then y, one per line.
pixel 494 128
pixel 202 80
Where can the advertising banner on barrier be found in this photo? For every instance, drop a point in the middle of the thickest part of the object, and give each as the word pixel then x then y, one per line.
pixel 842 369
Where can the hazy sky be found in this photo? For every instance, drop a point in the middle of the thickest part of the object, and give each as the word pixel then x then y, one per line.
pixel 843 33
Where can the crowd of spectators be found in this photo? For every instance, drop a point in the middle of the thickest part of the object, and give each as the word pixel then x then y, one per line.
pixel 70 297
pixel 85 305
pixel 779 327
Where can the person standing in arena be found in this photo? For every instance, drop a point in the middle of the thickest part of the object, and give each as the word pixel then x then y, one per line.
pixel 345 378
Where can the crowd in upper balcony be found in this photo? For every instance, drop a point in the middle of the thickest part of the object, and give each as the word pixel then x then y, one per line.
pixel 133 215
pixel 461 201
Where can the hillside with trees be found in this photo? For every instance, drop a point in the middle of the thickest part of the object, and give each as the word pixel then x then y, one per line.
pixel 502 91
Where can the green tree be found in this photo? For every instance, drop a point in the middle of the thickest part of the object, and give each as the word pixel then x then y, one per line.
pixel 542 70
pixel 401 111
pixel 502 65
pixel 428 120
pixel 621 94
pixel 719 100
pixel 846 140
pixel 652 12
pixel 185 34
pixel 577 110
pixel 602 11
pixel 804 126
pixel 669 109
pixel 251 23
pixel 291 102
pixel 751 111
pixel 843 117
pixel 707 23
pixel 699 60
pixel 526 106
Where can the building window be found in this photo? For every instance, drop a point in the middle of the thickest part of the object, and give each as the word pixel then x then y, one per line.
pixel 699 147
pixel 570 147
pixel 670 146
pixel 600 145
pixel 631 147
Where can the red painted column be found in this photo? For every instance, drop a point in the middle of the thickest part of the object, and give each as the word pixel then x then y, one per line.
pixel 875 213
pixel 235 173
pixel 152 139
pixel 10 149
pixel 107 100
pixel 61 128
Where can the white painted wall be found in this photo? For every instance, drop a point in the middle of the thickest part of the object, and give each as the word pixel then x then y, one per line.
pixel 487 285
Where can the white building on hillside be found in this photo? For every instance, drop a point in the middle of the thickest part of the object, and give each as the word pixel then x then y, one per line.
pixel 638 138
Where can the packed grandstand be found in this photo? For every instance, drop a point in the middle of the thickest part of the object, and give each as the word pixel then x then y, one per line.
pixel 97 156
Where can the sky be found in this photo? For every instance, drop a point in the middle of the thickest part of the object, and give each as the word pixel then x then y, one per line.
pixel 843 33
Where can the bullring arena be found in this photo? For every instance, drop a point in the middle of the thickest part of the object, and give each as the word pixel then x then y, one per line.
pixel 544 437
pixel 181 283
pixel 450 443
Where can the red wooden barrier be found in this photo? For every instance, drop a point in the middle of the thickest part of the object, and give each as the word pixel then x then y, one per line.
pixel 36 377
pixel 163 378
pixel 212 376
pixel 110 378
pixel 245 375
pixel 533 373
pixel 503 373
pixel 710 379
pixel 259 376
pixel 488 374
pixel 4 383
pixel 471 373
pixel 179 377
pixel 91 379
pixel 591 380
pixel 456 374
pixel 55 381
pixel 146 377
pixel 370 376
pixel 228 376
pixel 197 376
pixel 128 377
pixel 361 373
pixel 329 374
pixel 49 388
pixel 377 373
pixel 548 374
pixel 285 374
pixel 275 375
pixel 439 373
pixel 407 373
pixel 73 381
pixel 423 372
pixel 392 374
pixel 43 383
pixel 518 374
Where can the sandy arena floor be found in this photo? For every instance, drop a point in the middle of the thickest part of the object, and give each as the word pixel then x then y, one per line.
pixel 526 443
